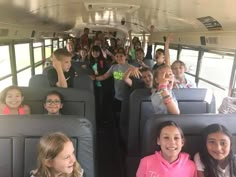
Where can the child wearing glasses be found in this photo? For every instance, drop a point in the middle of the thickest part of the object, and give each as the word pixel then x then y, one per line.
pixel 53 102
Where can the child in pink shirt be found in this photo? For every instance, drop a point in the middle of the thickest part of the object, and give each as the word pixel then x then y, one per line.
pixel 169 161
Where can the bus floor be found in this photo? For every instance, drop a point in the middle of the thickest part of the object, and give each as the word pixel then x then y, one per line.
pixel 110 154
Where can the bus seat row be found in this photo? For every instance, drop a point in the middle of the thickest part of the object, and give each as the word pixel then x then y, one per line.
pixel 192 125
pixel 191 101
pixel 76 101
pixel 19 136
pixel 83 82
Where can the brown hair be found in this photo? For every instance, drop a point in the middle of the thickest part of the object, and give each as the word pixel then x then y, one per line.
pixel 60 53
pixel 7 89
pixel 176 62
pixel 48 148
pixel 156 72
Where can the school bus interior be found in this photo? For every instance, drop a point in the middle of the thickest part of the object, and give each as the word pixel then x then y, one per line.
pixel 204 35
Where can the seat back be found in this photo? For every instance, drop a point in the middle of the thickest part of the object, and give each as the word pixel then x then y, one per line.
pixel 84 82
pixel 19 136
pixel 195 100
pixel 192 126
pixel 190 101
pixel 76 101
pixel 39 80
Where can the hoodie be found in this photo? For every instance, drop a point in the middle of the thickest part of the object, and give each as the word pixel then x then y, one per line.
pixel 156 166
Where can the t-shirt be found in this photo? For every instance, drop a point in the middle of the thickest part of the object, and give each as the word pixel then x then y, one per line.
pixel 53 77
pixel 188 84
pixel 82 173
pixel 118 71
pixel 156 166
pixel 157 66
pixel 221 172
pixel 158 104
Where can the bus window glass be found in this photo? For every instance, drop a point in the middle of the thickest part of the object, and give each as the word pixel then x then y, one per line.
pixel 189 57
pixel 38 54
pixel 190 78
pixel 5 65
pixel 64 42
pixel 5 83
pixel 55 45
pixel 218 93
pixel 60 44
pixel 48 42
pixel 37 44
pixel 173 55
pixel 39 69
pixel 22 54
pixel 216 68
pixel 48 51
pixel 23 77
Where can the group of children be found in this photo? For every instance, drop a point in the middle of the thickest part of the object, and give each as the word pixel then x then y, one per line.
pixel 12 102
pixel 214 159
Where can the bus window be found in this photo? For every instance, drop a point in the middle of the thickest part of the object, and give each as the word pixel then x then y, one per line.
pixel 37 52
pixel 61 43
pixel 5 83
pixel 5 65
pixel 55 44
pixel 173 55
pixel 24 77
pixel 213 70
pixel 22 54
pixel 219 93
pixel 48 48
pixel 216 68
pixel 39 69
pixel 190 58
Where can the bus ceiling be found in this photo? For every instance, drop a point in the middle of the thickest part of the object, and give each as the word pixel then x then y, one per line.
pixel 202 22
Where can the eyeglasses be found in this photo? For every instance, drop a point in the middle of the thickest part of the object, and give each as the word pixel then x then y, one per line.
pixel 53 102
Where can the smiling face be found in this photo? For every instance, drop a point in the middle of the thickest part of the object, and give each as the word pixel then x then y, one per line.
pixel 13 98
pixel 53 104
pixel 139 55
pixel 171 143
pixel 95 54
pixel 160 57
pixel 164 75
pixel 147 78
pixel 178 70
pixel 64 161
pixel 218 145
pixel 120 58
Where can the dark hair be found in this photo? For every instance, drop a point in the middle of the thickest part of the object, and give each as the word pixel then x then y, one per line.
pixel 166 124
pixel 139 50
pixel 61 53
pixel 54 92
pixel 209 162
pixel 100 57
pixel 96 48
pixel 160 51
pixel 178 61
pixel 4 92
pixel 144 69
pixel 86 29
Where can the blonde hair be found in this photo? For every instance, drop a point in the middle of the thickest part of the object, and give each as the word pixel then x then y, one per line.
pixel 156 73
pixel 48 148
